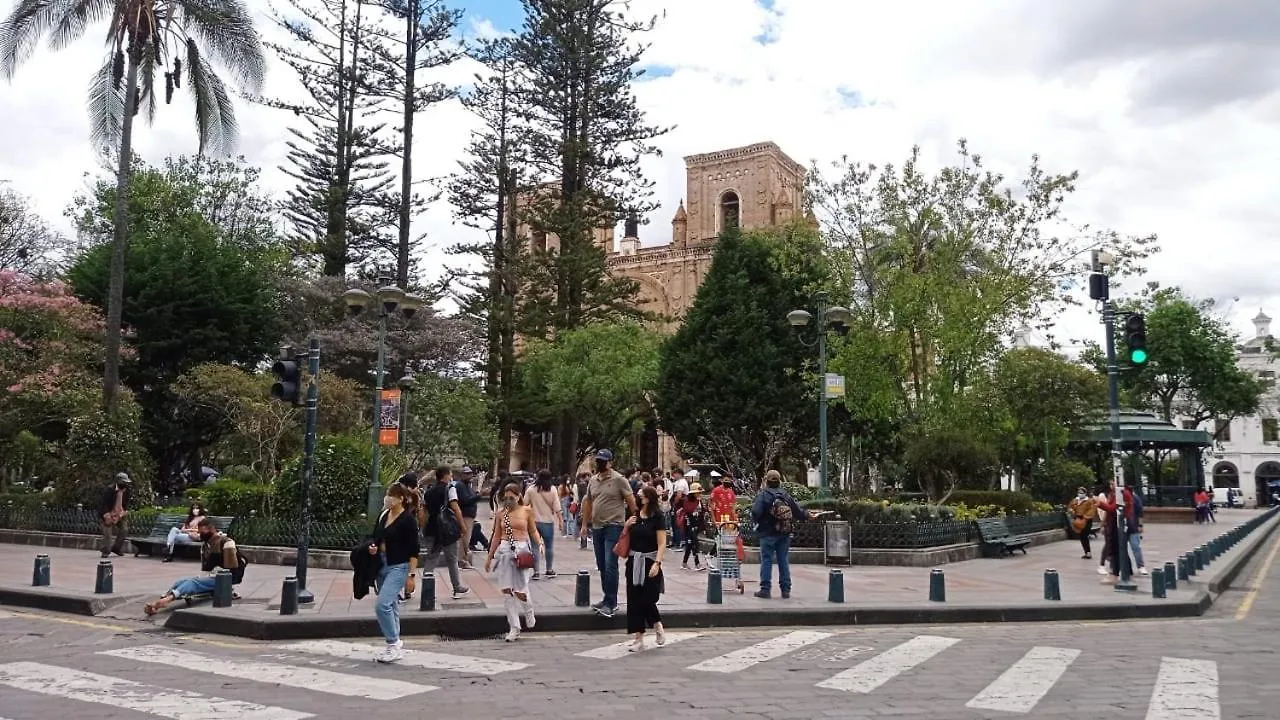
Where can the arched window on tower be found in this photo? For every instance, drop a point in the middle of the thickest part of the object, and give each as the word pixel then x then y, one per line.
pixel 729 206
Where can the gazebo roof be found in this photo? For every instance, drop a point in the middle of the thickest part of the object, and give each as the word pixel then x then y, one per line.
pixel 1144 429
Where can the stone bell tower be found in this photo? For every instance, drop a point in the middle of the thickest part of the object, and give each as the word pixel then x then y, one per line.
pixel 751 187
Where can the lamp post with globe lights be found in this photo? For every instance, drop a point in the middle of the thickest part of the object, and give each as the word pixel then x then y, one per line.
pixel 835 318
pixel 390 300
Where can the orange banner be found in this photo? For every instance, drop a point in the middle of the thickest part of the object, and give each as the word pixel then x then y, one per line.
pixel 389 418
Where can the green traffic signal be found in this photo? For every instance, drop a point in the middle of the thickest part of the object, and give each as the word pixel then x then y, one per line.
pixel 1138 357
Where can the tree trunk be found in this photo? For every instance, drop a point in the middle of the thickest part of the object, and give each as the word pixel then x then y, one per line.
pixel 510 285
pixel 406 164
pixel 119 242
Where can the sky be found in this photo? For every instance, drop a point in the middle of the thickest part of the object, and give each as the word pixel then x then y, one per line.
pixel 1167 108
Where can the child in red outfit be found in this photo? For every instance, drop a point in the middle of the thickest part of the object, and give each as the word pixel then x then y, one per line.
pixel 722 502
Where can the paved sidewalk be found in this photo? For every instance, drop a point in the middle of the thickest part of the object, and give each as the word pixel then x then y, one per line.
pixel 1015 581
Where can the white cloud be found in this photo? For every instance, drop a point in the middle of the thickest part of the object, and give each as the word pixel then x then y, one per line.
pixel 1168 121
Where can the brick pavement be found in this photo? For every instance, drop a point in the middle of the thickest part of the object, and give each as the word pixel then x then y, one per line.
pixel 1015 580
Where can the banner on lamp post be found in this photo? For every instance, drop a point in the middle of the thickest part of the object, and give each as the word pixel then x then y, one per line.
pixel 834 386
pixel 389 421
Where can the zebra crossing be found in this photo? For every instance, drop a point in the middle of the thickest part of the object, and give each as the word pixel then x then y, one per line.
pixel 1184 688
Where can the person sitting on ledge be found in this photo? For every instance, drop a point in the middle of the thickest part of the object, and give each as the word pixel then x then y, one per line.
pixel 217 551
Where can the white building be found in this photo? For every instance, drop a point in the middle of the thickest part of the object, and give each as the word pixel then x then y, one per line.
pixel 1246 454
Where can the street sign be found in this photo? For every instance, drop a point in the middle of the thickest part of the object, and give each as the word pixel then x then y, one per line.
pixel 834 386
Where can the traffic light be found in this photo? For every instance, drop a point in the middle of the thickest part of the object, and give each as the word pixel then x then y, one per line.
pixel 1135 337
pixel 288 384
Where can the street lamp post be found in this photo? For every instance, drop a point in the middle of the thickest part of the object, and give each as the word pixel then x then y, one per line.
pixel 391 299
pixel 407 384
pixel 835 318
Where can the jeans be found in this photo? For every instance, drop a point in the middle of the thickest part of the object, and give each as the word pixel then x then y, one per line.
pixel 775 548
pixel 431 559
pixel 570 522
pixel 187 587
pixel 548 533
pixel 1135 544
pixel 177 536
pixel 391 580
pixel 604 538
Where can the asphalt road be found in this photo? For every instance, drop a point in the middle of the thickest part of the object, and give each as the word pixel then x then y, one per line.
pixel 1222 666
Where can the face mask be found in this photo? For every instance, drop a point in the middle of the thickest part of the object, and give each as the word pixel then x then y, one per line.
pixel 601 466
pixel 206 537
pixel 509 503
pixel 386 502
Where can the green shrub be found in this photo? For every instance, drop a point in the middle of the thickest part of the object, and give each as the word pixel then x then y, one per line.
pixel 340 486
pixel 236 498
pixel 800 492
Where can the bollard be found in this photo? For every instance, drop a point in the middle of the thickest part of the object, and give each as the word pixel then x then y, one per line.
pixel 222 588
pixel 1157 582
pixel 1191 564
pixel 1170 576
pixel 1202 557
pixel 835 586
pixel 104 583
pixel 40 575
pixel 289 596
pixel 427 593
pixel 582 589
pixel 937 586
pixel 1182 568
pixel 1052 589
pixel 715 594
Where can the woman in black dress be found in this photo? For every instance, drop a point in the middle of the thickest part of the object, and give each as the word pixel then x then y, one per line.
pixel 648 533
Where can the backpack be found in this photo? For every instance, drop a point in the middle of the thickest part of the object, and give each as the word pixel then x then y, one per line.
pixel 442 525
pixel 783 518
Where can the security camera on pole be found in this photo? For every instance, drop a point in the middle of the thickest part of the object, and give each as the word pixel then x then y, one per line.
pixel 1135 333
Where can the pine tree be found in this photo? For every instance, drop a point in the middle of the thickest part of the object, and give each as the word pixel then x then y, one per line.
pixel 396 63
pixel 483 195
pixel 577 63
pixel 339 208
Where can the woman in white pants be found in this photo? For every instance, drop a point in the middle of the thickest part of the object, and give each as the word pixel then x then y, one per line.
pixel 511 556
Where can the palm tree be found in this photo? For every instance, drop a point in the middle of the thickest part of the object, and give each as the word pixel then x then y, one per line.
pixel 146 40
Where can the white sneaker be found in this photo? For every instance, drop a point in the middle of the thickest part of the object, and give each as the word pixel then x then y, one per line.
pixel 391 653
pixel 1143 571
pixel 636 646
pixel 529 619
pixel 1102 569
pixel 512 635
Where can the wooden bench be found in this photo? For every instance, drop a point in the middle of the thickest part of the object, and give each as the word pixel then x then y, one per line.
pixel 159 535
pixel 995 535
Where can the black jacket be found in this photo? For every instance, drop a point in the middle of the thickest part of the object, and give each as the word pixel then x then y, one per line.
pixel 366 566
pixel 107 501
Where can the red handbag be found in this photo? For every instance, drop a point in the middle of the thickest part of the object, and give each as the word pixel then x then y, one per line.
pixel 524 558
pixel 623 547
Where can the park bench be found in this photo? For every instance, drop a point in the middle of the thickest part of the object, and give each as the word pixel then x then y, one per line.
pixel 995 536
pixel 160 535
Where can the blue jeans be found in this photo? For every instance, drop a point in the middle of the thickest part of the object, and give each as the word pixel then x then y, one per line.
pixel 570 522
pixel 604 539
pixel 775 548
pixel 1135 544
pixel 391 580
pixel 192 586
pixel 548 533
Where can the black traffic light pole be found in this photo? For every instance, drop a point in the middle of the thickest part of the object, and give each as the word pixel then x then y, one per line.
pixel 305 596
pixel 1099 289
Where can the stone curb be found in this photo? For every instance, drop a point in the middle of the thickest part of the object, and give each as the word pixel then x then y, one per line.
pixel 59 600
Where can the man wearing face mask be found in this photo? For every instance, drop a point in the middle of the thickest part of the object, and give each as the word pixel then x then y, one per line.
pixel 217 551
pixel 608 502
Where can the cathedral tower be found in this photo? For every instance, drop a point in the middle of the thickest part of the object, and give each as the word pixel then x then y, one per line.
pixel 751 187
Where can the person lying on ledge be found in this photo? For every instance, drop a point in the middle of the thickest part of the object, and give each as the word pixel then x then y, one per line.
pixel 217 551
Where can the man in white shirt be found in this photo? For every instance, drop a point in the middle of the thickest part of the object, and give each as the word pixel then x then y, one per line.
pixel 679 484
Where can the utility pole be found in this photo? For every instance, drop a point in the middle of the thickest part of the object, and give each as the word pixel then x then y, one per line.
pixel 305 596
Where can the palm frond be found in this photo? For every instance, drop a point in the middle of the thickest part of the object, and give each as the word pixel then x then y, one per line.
pixel 21 31
pixel 106 108
pixel 76 16
pixel 147 64
pixel 224 29
pixel 215 113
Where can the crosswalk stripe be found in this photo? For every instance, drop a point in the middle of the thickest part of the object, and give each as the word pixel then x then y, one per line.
pixel 106 690
pixel 1185 690
pixel 770 649
pixel 414 658
pixel 4 615
pixel 305 678
pixel 1020 687
pixel 874 672
pixel 619 650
